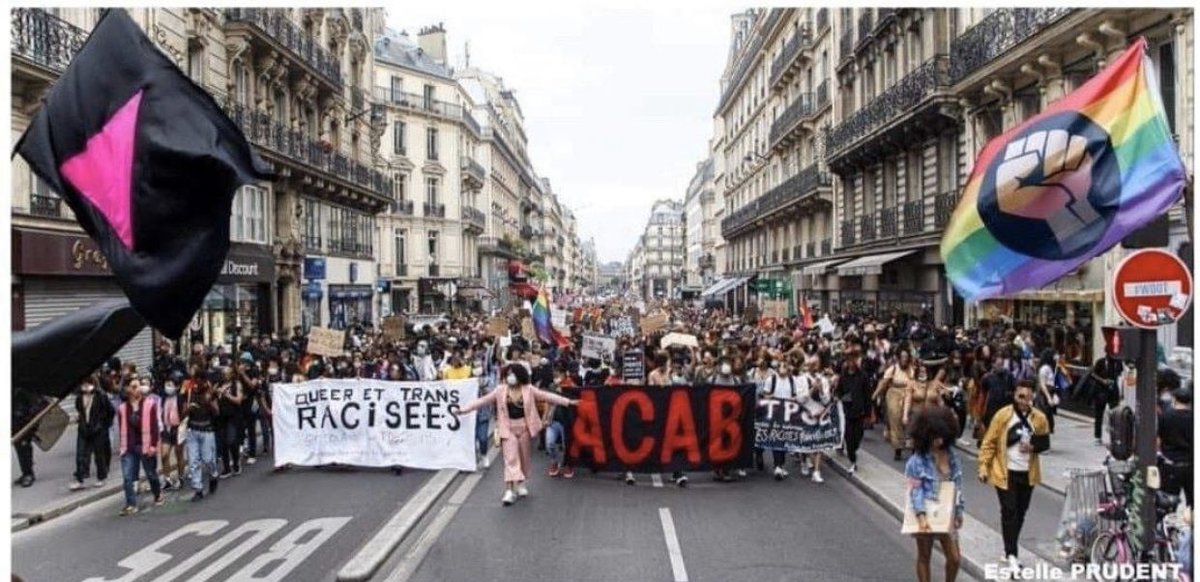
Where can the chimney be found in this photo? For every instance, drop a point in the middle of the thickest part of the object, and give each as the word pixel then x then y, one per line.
pixel 432 40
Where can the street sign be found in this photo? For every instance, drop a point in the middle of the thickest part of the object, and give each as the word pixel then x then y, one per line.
pixel 1151 288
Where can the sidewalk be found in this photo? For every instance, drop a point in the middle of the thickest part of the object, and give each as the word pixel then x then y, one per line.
pixel 49 497
pixel 1071 447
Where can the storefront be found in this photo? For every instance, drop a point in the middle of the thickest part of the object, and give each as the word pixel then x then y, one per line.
pixel 241 297
pixel 337 293
pixel 56 274
pixel 312 293
pixel 435 294
pixel 350 305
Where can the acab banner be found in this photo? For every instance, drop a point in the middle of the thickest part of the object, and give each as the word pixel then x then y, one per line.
pixel 658 429
pixel 375 423
pixel 787 425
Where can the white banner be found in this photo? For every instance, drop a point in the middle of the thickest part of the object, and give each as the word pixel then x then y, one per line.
pixel 598 347
pixel 375 423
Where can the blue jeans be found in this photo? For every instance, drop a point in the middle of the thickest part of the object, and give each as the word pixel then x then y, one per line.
pixel 130 462
pixel 556 442
pixel 201 448
pixel 482 428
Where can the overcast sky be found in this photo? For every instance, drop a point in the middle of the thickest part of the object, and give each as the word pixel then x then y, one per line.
pixel 618 100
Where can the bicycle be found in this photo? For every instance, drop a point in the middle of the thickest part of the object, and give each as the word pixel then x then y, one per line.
pixel 1112 545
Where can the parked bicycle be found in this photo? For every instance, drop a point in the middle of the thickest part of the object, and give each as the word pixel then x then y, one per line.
pixel 1112 545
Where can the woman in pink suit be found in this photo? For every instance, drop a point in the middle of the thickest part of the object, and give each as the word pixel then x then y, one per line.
pixel 518 423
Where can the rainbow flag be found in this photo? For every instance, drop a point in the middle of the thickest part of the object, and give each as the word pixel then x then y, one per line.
pixel 1066 185
pixel 541 321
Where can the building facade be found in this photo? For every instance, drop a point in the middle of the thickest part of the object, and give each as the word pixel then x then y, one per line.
pixel 848 134
pixel 662 252
pixel 700 206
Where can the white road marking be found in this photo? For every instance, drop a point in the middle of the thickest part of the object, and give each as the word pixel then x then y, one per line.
pixel 287 553
pixel 656 478
pixel 147 559
pixel 673 550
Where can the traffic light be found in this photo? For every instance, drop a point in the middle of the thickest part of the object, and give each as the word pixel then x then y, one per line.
pixel 1122 342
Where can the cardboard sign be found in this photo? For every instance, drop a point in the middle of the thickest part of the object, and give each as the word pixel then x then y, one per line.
pixel 497 326
pixel 323 341
pixel 393 327
pixel 619 326
pixel 527 329
pixel 775 308
pixel 679 339
pixel 633 366
pixel 558 319
pixel 599 347
pixel 655 322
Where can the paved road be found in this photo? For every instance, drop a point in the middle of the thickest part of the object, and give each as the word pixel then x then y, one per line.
pixel 596 528
pixel 295 526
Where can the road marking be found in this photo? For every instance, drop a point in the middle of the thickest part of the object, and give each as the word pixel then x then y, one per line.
pixel 376 551
pixel 668 526
pixel 147 559
pixel 656 478
pixel 410 562
pixel 287 553
pixel 261 528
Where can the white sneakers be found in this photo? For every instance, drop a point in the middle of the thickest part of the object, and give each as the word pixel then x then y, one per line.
pixel 629 480
pixel 741 473
pixel 816 476
pixel 780 473
pixel 75 486
pixel 805 467
pixel 508 498
pixel 1013 563
pixel 522 490
pixel 853 468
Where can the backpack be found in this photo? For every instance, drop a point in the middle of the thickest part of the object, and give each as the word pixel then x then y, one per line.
pixel 1121 433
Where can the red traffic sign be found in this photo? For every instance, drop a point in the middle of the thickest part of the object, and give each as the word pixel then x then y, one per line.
pixel 1152 288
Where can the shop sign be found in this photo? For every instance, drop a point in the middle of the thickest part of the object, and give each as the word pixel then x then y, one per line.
pixel 37 253
pixel 314 268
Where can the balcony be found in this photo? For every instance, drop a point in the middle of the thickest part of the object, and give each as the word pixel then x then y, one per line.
pixel 805 191
pixel 419 104
pixel 349 247
pixel 312 244
pixel 435 210
pixel 866 25
pixel 866 227
pixel 474 219
pixel 285 37
pixel 472 124
pixel 918 106
pixel 884 16
pixel 527 232
pixel 996 35
pixel 48 206
pixel 404 207
pixel 401 270
pixel 473 174
pixel 847 233
pixel 914 217
pixel 943 207
pixel 822 96
pixel 435 271
pixel 785 128
pixel 826 247
pixel 45 40
pixel 735 81
pixel 783 68
pixel 888 227
pixel 304 154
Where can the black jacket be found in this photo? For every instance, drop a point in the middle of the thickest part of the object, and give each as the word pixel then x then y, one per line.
pixel 854 390
pixel 99 418
pixel 998 385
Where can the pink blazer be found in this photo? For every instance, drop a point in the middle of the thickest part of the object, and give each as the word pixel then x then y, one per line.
pixel 149 426
pixel 529 395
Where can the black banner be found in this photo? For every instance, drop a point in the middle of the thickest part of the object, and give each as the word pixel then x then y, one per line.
pixel 651 429
pixel 787 425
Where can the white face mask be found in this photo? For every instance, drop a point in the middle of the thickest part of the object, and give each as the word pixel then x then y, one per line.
pixel 171 389
pixel 272 371
pixel 511 380
pixel 144 389
pixel 726 369
pixel 88 388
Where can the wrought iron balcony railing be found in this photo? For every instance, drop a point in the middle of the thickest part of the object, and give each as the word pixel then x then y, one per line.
pixel 800 109
pixel 847 233
pixel 866 227
pixel 473 170
pixel 312 243
pixel 791 50
pixel 790 191
pixel 888 226
pixel 943 207
pixel 472 124
pixel 883 17
pixel 474 217
pixel 415 102
pixel 42 205
pixel 263 130
pixel 404 207
pixel 436 210
pixel 899 99
pixel 995 35
pixel 914 217
pixel 749 56
pixel 275 25
pixel 45 39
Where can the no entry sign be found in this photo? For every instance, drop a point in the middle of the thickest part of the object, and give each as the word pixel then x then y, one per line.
pixel 1152 288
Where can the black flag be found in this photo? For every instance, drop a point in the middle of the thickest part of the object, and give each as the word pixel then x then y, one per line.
pixel 149 163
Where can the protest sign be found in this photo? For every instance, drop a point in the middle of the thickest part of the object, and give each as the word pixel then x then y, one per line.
pixel 393 327
pixel 374 423
pixel 655 322
pixel 633 366
pixel 786 425
pixel 679 339
pixel 622 325
pixel 326 342
pixel 497 326
pixel 825 325
pixel 775 308
pixel 527 329
pixel 599 347
pixel 558 319
pixel 657 429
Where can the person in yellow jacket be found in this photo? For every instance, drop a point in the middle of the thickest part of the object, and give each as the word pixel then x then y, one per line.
pixel 1008 460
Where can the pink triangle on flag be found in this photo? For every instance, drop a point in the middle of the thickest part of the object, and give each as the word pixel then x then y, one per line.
pixel 103 171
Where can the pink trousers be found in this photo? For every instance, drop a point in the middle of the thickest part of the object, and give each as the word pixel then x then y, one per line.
pixel 517 454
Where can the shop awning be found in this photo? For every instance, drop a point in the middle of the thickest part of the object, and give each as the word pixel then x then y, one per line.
pixel 821 267
pixel 474 293
pixel 729 285
pixel 871 264
pixel 714 287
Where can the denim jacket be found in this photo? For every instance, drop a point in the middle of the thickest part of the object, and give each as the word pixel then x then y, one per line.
pixel 924 480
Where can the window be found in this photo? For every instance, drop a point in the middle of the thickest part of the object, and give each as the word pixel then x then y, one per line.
pixel 401 187
pixel 248 219
pixel 1165 67
pixel 195 63
pixel 280 105
pixel 431 190
pixel 397 88
pixel 433 247
pixel 912 176
pixel 241 83
pixel 431 143
pixel 429 97
pixel 399 247
pixel 398 138
pixel 889 183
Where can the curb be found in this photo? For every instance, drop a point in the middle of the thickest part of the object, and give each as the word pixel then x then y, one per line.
pixel 1044 484
pixel 967 563
pixel 31 519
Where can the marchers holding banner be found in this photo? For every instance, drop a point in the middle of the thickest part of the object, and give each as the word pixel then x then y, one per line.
pixel 375 423
pixel 660 429
pixel 786 425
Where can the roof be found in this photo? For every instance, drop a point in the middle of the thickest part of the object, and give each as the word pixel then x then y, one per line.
pixel 400 50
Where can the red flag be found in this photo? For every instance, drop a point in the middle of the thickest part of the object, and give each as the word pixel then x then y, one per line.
pixel 806 314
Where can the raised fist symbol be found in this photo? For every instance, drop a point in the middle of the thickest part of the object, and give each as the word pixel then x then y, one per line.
pixel 1047 176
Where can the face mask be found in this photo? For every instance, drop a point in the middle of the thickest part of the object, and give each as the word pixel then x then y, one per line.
pixel 272 371
pixel 726 369
pixel 88 388
pixel 144 389
pixel 511 380
pixel 1166 399
pixel 171 389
